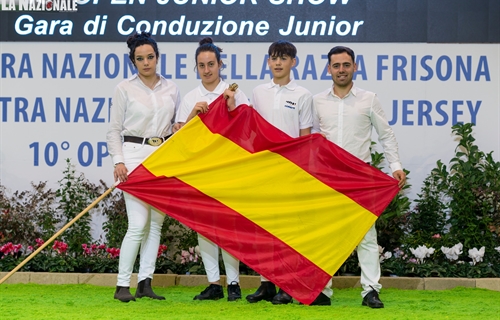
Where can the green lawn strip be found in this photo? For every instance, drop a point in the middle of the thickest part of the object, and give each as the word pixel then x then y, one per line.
pixel 32 301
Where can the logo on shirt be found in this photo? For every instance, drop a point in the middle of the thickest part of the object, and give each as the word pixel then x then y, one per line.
pixel 290 104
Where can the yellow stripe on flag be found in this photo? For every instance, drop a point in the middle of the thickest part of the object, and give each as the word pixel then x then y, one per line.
pixel 219 168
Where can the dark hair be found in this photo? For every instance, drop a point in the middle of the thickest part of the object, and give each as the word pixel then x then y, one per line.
pixel 138 39
pixel 341 49
pixel 281 48
pixel 207 44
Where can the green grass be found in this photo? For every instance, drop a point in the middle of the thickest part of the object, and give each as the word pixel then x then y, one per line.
pixel 32 301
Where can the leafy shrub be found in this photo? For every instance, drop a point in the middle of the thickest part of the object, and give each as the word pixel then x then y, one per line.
pixel 391 225
pixel 460 203
pixel 27 215
pixel 115 227
pixel 474 192
pixel 74 195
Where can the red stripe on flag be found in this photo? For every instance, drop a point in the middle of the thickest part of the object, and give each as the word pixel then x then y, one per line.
pixel 236 234
pixel 364 184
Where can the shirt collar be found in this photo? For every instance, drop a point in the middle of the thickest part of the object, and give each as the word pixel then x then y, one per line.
pixel 292 85
pixel 353 91
pixel 135 77
pixel 218 90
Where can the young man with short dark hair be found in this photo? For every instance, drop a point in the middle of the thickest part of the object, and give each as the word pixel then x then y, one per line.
pixel 287 106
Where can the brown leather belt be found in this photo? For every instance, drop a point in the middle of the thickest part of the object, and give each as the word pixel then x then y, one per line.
pixel 154 141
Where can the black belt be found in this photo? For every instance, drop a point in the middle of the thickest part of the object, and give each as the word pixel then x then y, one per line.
pixel 154 141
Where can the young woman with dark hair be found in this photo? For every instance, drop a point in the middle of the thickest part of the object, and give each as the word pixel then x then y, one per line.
pixel 142 114
pixel 208 66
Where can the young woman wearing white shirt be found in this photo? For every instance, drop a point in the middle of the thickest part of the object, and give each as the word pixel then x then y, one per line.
pixel 209 65
pixel 142 114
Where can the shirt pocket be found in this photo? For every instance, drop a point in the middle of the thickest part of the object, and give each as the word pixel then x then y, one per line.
pixel 131 147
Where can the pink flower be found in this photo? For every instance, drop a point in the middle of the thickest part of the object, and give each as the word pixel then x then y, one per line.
pixel 60 247
pixel 6 248
pixel 161 249
pixel 114 252
pixel 17 247
pixel 39 242
pixel 190 255
pixel 10 248
pixel 436 236
pixel 185 256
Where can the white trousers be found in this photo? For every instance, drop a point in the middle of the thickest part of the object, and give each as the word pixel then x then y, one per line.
pixel 209 252
pixel 144 225
pixel 368 256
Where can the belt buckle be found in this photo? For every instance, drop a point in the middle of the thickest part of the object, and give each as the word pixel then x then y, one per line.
pixel 155 141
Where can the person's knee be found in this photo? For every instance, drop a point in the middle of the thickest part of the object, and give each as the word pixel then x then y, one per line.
pixel 157 219
pixel 136 231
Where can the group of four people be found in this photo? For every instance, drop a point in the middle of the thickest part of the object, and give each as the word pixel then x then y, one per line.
pixel 148 106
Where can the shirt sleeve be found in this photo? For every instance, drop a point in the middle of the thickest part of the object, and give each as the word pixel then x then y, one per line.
pixel 315 117
pixel 241 98
pixel 305 112
pixel 177 105
pixel 386 135
pixel 254 100
pixel 114 134
pixel 183 111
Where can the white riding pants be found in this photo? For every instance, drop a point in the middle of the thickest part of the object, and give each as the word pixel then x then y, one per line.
pixel 209 252
pixel 368 256
pixel 144 225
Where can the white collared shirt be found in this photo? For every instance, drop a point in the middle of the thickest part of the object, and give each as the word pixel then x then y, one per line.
pixel 200 93
pixel 288 107
pixel 139 111
pixel 348 122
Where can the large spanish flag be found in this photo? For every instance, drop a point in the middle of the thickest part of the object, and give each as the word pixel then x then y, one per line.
pixel 291 209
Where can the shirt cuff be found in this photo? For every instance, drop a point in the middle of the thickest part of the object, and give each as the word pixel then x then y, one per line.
pixel 396 166
pixel 117 159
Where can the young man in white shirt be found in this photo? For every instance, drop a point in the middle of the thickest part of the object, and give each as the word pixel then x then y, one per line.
pixel 287 106
pixel 345 115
